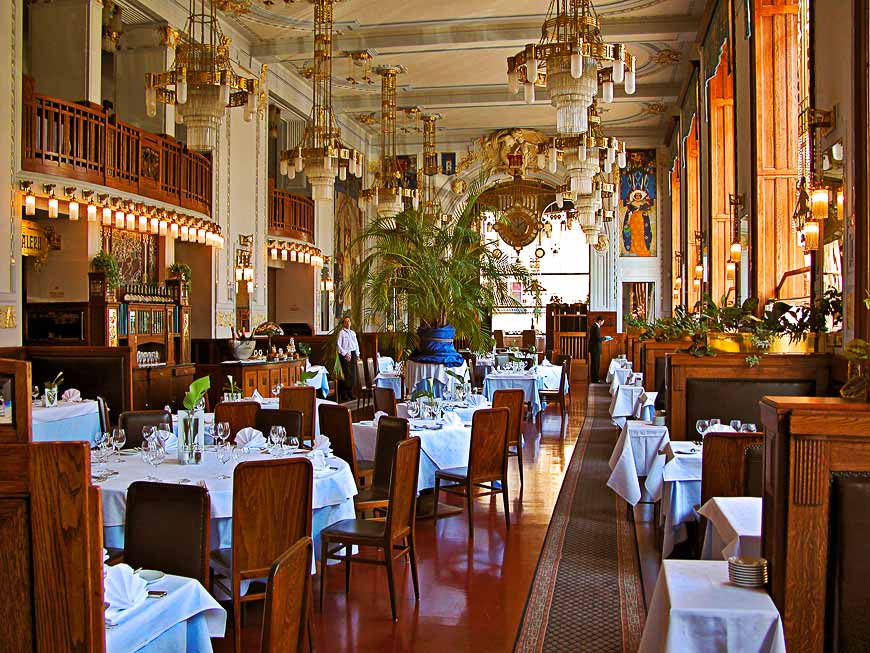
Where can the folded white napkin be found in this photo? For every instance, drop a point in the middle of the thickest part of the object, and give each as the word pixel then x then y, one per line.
pixel 546 363
pixel 170 440
pixel 322 443
pixel 123 590
pixel 251 438
pixel 377 418
pixel 256 395
pixel 719 428
pixel 452 419
pixel 476 400
pixel 71 395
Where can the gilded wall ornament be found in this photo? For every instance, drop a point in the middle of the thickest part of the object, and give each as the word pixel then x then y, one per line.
pixel 667 57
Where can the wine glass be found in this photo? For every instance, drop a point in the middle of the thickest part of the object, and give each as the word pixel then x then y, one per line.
pixel 275 436
pixel 119 439
pixel 221 432
pixel 35 393
pixel 413 409
pixel 293 443
pixel 225 453
pixel 276 390
pixel 701 427
pixel 736 424
pixel 148 432
pixel 714 421
pixel 748 427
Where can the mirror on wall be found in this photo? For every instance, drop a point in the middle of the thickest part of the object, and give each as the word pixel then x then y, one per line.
pixel 832 251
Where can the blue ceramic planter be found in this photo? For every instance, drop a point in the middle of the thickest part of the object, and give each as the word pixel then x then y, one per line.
pixel 436 346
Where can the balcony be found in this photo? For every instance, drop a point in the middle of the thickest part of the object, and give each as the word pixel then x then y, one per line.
pixel 290 216
pixel 81 142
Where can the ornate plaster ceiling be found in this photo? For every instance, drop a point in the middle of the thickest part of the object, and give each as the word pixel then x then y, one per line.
pixel 455 52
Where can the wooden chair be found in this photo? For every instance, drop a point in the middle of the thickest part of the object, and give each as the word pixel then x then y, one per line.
pixel 372 371
pixel 133 421
pixel 287 600
pixel 385 400
pixel 166 527
pixel 487 462
pixel 304 399
pixel 239 414
pixel 395 535
pixel 559 396
pixel 514 400
pixel 498 334
pixel 335 422
pixel 271 511
pixel 103 410
pixel 291 420
pixel 471 364
pixel 529 338
pixel 363 385
pixel 391 431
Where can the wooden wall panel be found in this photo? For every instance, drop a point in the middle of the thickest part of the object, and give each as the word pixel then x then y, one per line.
pixel 777 114
pixel 16 626
pixel 722 152
pixel 677 236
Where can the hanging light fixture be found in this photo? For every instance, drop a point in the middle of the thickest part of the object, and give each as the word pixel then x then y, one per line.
pixel 388 192
pixel 321 153
pixel 431 206
pixel 203 79
pixel 567 61
pixel 52 200
pixel 73 203
pixel 90 207
pixel 29 198
pixel 820 200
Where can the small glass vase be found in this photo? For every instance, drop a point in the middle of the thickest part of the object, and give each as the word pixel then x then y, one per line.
pixel 50 396
pixel 190 438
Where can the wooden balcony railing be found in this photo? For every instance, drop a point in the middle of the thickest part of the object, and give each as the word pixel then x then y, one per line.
pixel 290 215
pixel 81 142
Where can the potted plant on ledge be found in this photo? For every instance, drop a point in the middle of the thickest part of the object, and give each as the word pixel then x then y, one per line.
pixel 441 276
pixel 107 265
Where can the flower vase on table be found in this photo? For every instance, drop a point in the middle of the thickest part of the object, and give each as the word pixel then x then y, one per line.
pixel 50 396
pixel 191 437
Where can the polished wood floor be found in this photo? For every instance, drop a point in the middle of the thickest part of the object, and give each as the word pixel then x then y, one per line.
pixel 472 595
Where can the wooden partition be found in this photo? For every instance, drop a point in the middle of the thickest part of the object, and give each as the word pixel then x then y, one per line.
pixel 725 386
pixel 651 351
pixel 610 350
pixel 722 467
pixel 807 440
pixel 51 568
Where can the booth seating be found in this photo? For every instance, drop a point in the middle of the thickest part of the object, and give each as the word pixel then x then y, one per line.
pixel 725 386
pixel 816 492
pixel 652 362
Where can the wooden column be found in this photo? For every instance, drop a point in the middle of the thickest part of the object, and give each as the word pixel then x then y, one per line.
pixel 694 292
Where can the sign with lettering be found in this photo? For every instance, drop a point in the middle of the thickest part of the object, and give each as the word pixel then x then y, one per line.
pixel 34 241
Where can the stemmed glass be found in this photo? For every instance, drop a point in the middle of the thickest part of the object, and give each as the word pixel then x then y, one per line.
pixel 276 390
pixel 222 432
pixel 276 434
pixel 701 427
pixel 148 432
pixel 293 443
pixel 225 453
pixel 119 439
pixel 35 393
pixel 714 421
pixel 413 409
pixel 736 424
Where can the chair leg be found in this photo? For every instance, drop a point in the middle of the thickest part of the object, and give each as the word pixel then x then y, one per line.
pixel 470 500
pixel 412 556
pixel 237 617
pixel 437 492
pixel 388 561
pixel 506 499
pixel 324 547
pixel 347 569
pixel 520 461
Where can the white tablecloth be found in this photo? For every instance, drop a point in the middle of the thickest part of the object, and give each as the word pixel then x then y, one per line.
pixel 385 364
pixel 443 448
pixel 271 403
pixel 321 380
pixel 551 376
pixel 695 608
pixel 733 527
pixel 332 498
pixel 616 363
pixel 465 411
pixel 635 455
pixel 187 616
pixel 68 421
pixel 620 376
pixel 416 373
pixel 390 380
pixel 624 402
pixel 681 492
pixel 529 384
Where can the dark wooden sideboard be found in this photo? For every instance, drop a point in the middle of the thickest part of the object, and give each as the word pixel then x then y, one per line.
pixel 259 376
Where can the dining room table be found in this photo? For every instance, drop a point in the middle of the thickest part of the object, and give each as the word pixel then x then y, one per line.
pixel 624 403
pixel 272 403
pixel 622 376
pixel 392 380
pixel 465 409
pixel 733 527
pixel 528 381
pixel 68 421
pixel 680 491
pixel 696 609
pixel 443 378
pixel 615 364
pixel 184 620
pixel 442 445
pixel 332 496
pixel 320 380
pixel 635 456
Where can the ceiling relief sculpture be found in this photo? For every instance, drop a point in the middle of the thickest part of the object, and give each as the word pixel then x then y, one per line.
pixel 508 151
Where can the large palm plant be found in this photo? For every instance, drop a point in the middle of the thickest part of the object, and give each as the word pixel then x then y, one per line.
pixel 419 271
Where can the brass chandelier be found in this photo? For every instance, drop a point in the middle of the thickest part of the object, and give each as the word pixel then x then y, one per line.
pixel 203 80
pixel 389 192
pixel 431 206
pixel 321 153
pixel 570 62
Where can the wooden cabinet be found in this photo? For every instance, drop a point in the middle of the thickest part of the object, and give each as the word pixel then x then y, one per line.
pixel 261 377
pixel 156 387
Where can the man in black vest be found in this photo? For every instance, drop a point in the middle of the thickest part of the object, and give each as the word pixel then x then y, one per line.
pixel 595 340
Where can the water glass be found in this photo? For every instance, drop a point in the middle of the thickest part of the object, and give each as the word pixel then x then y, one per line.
pixel 276 434
pixel 225 453
pixel 736 424
pixel 293 443
pixel 221 432
pixel 714 421
pixel 413 409
pixel 148 432
pixel 748 427
pixel 119 439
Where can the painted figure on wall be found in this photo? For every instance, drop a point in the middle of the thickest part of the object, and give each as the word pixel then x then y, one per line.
pixel 637 202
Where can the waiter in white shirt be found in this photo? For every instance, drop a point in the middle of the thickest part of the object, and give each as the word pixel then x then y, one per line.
pixel 348 352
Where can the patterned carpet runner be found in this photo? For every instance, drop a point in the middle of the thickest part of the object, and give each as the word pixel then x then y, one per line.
pixel 587 593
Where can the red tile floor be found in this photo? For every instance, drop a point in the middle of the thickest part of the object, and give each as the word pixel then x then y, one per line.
pixel 472 595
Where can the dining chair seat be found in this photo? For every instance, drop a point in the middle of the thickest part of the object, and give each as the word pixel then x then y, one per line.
pixel 358 529
pixel 454 473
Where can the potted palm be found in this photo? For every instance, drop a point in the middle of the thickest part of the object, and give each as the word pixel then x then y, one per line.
pixel 429 281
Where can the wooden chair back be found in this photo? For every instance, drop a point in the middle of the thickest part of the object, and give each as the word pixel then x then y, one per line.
pixel 402 511
pixel 514 399
pixel 371 371
pixel 291 420
pixel 337 425
pixel 271 511
pixel 166 527
pixel 529 338
pixel 103 409
pixel 487 460
pixel 304 399
pixel 362 377
pixel 385 400
pixel 133 421
pixel 287 594
pixel 566 375
pixel 239 414
pixel 391 431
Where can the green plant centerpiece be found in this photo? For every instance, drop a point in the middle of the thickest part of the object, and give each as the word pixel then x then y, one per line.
pixel 303 349
pixel 232 391
pixel 51 390
pixel 182 272
pixel 107 265
pixel 190 423
pixel 429 281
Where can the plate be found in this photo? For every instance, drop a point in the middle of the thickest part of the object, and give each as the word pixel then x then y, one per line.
pixel 150 575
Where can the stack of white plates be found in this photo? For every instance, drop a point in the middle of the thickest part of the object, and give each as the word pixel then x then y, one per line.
pixel 747 571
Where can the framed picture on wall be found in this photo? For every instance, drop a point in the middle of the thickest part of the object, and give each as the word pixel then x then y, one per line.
pixel 638 209
pixel 15 408
pixel 448 163
pixel 408 167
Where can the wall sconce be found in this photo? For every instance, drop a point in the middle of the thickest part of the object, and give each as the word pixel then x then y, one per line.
pixel 811 235
pixel 73 206
pixel 155 225
pixel 820 199
pixel 173 229
pixel 699 271
pixel 52 200
pixel 285 254
pixel 736 249
pixel 29 198
pixel 131 221
pixel 185 233
pixel 143 222
pixel 730 270
pixel 273 253
pixel 162 226
pixel 91 208
pixel 326 283
pixel 840 198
